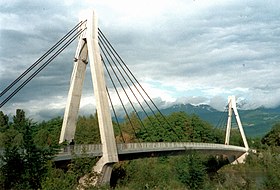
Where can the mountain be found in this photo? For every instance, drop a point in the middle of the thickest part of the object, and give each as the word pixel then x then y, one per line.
pixel 256 122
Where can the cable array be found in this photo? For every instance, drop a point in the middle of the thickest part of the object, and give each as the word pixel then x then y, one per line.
pixel 57 48
pixel 121 76
pixel 223 119
pixel 117 71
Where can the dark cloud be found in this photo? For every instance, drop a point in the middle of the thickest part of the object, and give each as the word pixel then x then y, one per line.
pixel 200 52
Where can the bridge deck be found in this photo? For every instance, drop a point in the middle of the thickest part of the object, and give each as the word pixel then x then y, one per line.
pixel 135 150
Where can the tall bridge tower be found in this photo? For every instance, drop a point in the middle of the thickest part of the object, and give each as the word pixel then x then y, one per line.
pixel 232 108
pixel 88 49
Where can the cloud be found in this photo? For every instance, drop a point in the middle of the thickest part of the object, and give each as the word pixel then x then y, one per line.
pixel 189 51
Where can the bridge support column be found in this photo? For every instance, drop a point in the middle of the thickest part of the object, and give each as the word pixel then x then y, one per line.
pixel 89 47
pixel 74 96
pixel 232 108
pixel 109 147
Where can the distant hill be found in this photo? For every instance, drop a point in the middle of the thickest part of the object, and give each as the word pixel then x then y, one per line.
pixel 256 122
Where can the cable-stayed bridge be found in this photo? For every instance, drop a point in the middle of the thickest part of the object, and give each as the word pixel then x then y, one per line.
pixel 114 84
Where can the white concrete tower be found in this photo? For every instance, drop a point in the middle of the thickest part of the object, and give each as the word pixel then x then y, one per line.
pixel 232 107
pixel 88 47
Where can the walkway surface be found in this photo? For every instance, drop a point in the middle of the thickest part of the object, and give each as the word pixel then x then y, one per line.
pixel 136 150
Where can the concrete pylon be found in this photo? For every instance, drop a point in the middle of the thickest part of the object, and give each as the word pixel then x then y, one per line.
pixel 88 47
pixel 232 108
pixel 74 95
pixel 109 147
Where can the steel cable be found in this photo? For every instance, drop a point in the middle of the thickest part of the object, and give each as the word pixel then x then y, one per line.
pixel 121 61
pixel 42 58
pixel 117 120
pixel 41 67
pixel 133 107
pixel 118 94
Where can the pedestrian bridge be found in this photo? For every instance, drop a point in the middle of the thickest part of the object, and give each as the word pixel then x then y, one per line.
pixel 95 48
pixel 128 151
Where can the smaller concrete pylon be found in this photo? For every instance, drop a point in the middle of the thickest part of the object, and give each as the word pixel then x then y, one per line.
pixel 76 85
pixel 233 108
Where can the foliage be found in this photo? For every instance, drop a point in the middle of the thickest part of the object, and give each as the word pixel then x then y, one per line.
pixel 191 171
pixel 270 162
pixel 68 178
pixel 57 179
pixel 23 163
pixel 178 127
pixel 87 131
pixel 46 133
pixel 4 122
pixel 12 161
pixel 147 173
pixel 272 138
pixel 260 171
pixel 28 149
pixel 133 120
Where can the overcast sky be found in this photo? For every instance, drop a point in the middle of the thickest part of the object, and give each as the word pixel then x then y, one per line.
pixel 198 51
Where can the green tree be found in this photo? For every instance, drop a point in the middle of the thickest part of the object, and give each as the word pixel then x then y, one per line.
pixel 35 159
pixel 4 122
pixel 87 131
pixel 24 163
pixel 272 176
pixel 57 179
pixel 179 126
pixel 131 127
pixel 191 171
pixel 47 133
pixel 12 161
pixel 20 121
pixel 272 138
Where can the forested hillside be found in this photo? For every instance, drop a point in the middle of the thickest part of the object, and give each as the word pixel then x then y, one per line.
pixel 28 148
pixel 256 122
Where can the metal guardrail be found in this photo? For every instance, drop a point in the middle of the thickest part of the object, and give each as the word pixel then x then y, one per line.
pixel 95 150
pixel 81 149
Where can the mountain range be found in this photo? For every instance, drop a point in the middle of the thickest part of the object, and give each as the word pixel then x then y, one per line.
pixel 256 122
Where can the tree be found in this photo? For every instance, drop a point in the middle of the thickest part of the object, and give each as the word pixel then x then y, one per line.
pixel 272 168
pixel 19 121
pixel 24 163
pixel 4 122
pixel 12 168
pixel 131 127
pixel 57 179
pixel 191 171
pixel 47 133
pixel 272 138
pixel 87 131
pixel 35 159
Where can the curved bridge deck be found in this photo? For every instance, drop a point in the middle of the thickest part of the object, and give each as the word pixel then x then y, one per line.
pixel 137 150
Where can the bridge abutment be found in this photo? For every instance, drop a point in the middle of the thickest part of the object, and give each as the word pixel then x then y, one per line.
pixel 240 160
pixel 100 175
pixel 104 171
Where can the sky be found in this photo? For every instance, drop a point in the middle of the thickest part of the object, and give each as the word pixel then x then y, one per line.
pixel 181 51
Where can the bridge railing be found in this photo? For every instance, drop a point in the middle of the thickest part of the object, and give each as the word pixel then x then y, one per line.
pixel 125 148
pixel 81 149
pixel 157 145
